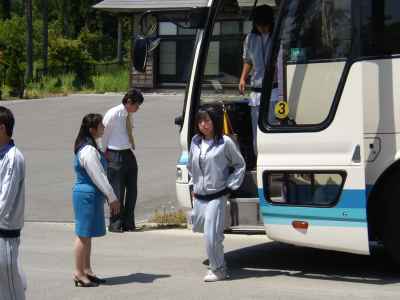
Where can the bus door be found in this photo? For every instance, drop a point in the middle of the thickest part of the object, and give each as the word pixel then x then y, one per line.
pixel 310 165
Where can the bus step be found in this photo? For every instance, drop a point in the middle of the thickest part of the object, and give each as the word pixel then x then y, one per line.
pixel 243 213
pixel 249 229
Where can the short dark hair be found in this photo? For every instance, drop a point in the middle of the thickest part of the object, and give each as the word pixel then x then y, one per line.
pixel 133 96
pixel 263 15
pixel 216 115
pixel 7 119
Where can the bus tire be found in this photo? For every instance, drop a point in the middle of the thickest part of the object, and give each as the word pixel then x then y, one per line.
pixel 391 219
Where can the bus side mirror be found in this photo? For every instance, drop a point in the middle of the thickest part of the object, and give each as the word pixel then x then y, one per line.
pixel 179 121
pixel 141 50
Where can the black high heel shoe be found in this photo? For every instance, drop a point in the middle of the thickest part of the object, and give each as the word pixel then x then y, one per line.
pixel 80 283
pixel 95 279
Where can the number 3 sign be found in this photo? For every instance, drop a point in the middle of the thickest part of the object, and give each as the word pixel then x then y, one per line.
pixel 281 110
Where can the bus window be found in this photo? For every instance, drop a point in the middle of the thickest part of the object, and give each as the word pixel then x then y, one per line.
pixel 380 27
pixel 315 43
pixel 304 189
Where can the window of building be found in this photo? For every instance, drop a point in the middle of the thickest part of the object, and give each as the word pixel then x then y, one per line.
pixel 167 28
pixel 230 27
pixel 176 48
pixel 177 44
pixel 168 58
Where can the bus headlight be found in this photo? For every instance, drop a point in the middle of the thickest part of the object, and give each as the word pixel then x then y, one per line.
pixel 179 174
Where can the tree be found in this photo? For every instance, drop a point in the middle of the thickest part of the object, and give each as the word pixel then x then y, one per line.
pixel 119 43
pixel 45 9
pixel 14 76
pixel 6 9
pixel 64 17
pixel 29 40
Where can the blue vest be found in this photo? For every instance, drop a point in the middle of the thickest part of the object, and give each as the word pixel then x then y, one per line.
pixel 83 182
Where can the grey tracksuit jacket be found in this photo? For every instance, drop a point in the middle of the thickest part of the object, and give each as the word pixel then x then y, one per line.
pixel 12 189
pixel 212 174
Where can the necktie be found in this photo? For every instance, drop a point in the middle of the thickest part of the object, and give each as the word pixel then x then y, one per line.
pixel 130 130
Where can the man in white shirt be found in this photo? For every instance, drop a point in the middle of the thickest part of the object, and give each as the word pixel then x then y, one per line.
pixel 12 206
pixel 119 145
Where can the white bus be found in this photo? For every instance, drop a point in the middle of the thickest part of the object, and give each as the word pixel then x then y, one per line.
pixel 327 173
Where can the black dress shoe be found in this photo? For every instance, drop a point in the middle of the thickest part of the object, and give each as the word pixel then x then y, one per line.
pixel 130 229
pixel 96 279
pixel 81 283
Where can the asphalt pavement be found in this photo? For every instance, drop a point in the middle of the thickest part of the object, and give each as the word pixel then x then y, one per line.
pixel 160 264
pixel 170 264
pixel 45 132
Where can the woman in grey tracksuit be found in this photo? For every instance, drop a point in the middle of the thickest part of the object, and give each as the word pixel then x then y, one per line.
pixel 216 167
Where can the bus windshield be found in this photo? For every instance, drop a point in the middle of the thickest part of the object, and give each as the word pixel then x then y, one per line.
pixel 311 49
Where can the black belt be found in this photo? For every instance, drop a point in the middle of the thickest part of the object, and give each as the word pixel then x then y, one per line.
pixel 212 196
pixel 124 150
pixel 9 234
pixel 259 90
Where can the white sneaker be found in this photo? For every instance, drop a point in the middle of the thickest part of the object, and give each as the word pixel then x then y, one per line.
pixel 213 276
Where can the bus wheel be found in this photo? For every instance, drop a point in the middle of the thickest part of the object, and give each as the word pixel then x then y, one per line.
pixel 391 219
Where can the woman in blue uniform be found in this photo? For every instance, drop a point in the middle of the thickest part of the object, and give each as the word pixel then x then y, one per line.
pixel 90 189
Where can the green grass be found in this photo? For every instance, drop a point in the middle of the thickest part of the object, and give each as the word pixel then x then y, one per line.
pixel 169 218
pixel 50 86
pixel 114 81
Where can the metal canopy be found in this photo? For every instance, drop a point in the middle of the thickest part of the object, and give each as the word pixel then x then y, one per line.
pixel 250 3
pixel 141 5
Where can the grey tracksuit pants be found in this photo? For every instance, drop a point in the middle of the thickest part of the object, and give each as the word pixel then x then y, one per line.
pixel 209 217
pixel 11 284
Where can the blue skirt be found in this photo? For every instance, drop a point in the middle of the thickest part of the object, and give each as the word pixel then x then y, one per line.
pixel 89 214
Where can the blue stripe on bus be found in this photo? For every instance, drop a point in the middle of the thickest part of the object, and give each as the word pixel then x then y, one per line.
pixel 349 212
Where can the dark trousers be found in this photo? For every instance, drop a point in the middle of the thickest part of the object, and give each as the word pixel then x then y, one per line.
pixel 122 174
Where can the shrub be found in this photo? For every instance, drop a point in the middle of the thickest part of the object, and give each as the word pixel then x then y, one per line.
pixel 15 77
pixel 73 56
pixel 13 36
pixel 91 41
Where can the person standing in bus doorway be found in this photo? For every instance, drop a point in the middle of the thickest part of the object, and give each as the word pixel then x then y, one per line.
pixel 119 145
pixel 216 167
pixel 12 206
pixel 254 60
